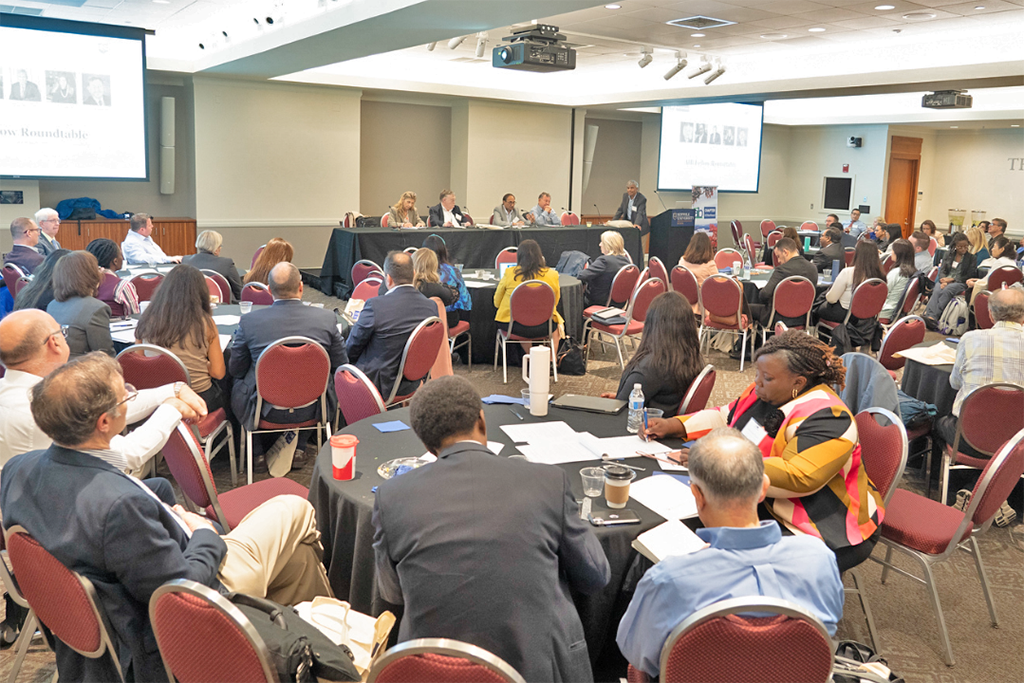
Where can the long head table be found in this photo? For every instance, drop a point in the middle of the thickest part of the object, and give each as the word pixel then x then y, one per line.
pixel 473 247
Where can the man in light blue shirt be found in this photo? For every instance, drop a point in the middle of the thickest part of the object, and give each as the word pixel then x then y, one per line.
pixel 139 247
pixel 854 226
pixel 745 557
pixel 542 213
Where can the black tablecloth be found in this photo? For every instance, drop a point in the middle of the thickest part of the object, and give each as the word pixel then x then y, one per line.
pixel 930 383
pixel 344 509
pixel 473 247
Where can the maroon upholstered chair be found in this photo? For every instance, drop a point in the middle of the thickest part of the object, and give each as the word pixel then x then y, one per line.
pixel 506 255
pixel 718 645
pixel 623 284
pixel 728 258
pixel 722 297
pixel 766 227
pixel 357 396
pixel 214 288
pixel 28 628
pixel 385 220
pixel 418 357
pixel 258 293
pixel 792 298
pixel 367 289
pixel 657 269
pixel 982 315
pixel 684 282
pixel 532 303
pixel 635 315
pixel 866 302
pixel 191 470
pixel 904 333
pixel 62 599
pixel 931 532
pixel 773 238
pixel 1006 275
pixel 462 328
pixel 19 285
pixel 222 284
pixel 570 218
pixel 737 232
pixel 361 270
pixel 699 393
pixel 748 246
pixel 259 250
pixel 933 245
pixel 809 225
pixel 203 637
pixel 11 273
pixel 848 254
pixel 146 284
pixel 293 372
pixel 441 660
pixel 888 263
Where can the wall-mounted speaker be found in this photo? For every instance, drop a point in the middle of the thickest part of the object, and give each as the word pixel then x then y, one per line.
pixel 166 170
pixel 167 145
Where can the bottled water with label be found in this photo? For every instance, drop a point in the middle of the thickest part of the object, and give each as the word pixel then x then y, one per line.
pixel 636 410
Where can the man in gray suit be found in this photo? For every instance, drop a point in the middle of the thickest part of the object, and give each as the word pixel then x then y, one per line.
pixel 485 549
pixel 633 207
pixel 49 224
pixel 507 215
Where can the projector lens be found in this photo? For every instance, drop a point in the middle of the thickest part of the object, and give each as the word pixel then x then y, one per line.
pixel 505 55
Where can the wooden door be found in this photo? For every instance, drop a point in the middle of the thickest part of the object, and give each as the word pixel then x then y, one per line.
pixel 901 189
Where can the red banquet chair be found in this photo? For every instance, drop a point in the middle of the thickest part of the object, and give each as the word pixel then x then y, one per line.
pixel 214 289
pixel 717 644
pixel 361 270
pixel 258 293
pixel 728 258
pixel 28 628
pixel 62 599
pixel 792 298
pixel 748 246
pixel 462 328
pixel 848 254
pixel 19 285
pixel 418 357
pixel 635 314
pixel 1004 276
pixel 385 220
pixel 903 334
pixel 699 393
pixel 146 284
pixel 655 268
pixel 931 532
pixel 908 302
pixel 357 395
pixel 506 255
pixel 12 273
pixel 411 250
pixel 809 225
pixel 737 232
pixel 203 637
pixel 722 297
pixel 866 302
pixel 766 227
pixel 224 289
pixel 293 372
pixel 532 303
pixel 982 315
pixel 933 245
pixel 684 282
pixel 367 289
pixel 570 218
pixel 259 250
pixel 441 660
pixel 773 238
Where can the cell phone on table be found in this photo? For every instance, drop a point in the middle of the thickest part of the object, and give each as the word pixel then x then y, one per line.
pixel 613 517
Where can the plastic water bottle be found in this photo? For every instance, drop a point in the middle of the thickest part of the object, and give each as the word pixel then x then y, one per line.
pixel 636 410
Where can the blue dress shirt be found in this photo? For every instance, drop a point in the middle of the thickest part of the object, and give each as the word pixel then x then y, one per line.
pixel 740 562
pixel 139 249
pixel 549 218
pixel 856 228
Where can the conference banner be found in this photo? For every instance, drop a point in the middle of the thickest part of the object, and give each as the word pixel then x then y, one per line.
pixel 705 209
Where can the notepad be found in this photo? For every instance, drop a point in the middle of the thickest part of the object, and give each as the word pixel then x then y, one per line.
pixel 667 540
pixel 393 426
pixel 665 496
pixel 226 319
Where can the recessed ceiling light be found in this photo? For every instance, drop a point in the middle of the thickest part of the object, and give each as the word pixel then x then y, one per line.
pixel 773 36
pixel 1014 125
pixel 613 6
pixel 954 126
pixel 979 7
pixel 816 29
pixel 162 2
pixel 697 45
pixel 697 35
pixel 882 8
pixel 919 16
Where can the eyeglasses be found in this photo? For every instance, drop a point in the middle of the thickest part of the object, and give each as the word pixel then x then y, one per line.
pixel 50 220
pixel 130 393
pixel 31 230
pixel 63 331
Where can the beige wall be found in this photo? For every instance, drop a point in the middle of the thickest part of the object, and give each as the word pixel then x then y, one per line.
pixel 403 147
pixel 617 159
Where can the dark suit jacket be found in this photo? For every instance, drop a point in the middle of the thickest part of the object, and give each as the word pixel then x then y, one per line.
pixel 258 330
pixel 46 247
pixel 436 216
pixel 598 277
pixel 31 91
pixel 26 258
pixel 639 210
pixel 97 522
pixel 486 550
pixel 794 266
pixel 378 338
pixel 824 258
pixel 204 260
pixel 88 321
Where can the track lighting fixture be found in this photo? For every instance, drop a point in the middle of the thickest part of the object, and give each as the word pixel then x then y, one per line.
pixel 481 44
pixel 714 74
pixel 679 65
pixel 704 68
pixel 645 58
pixel 455 42
pixel 431 46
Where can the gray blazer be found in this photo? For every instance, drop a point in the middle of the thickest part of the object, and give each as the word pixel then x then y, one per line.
pixel 46 247
pixel 495 568
pixel 500 219
pixel 204 260
pixel 88 321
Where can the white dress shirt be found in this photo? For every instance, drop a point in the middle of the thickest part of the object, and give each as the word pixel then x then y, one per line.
pixel 450 217
pixel 19 432
pixel 138 249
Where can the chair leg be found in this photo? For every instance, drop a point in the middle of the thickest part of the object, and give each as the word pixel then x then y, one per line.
pixel 554 359
pixel 866 606
pixel 28 630
pixel 504 361
pixel 885 565
pixel 984 581
pixel 618 348
pixel 928 468
pixel 944 477
pixel 743 350
pixel 248 454
pixel 933 594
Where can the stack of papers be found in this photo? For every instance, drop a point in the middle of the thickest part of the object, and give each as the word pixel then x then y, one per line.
pixel 666 496
pixel 937 354
pixel 666 540
pixel 554 443
pixel 123 331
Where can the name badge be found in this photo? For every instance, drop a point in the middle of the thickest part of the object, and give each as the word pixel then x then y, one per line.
pixel 754 432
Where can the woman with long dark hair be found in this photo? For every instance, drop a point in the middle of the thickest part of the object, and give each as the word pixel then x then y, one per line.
pixel 452 276
pixel 898 276
pixel 866 265
pixel 530 265
pixel 38 293
pixel 1002 256
pixel 958 266
pixel 668 358
pixel 179 319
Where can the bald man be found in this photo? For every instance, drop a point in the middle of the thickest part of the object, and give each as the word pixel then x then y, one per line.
pixel 25 235
pixel 32 345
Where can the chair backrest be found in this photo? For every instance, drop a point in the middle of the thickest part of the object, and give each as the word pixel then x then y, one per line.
pixel 643 296
pixel 259 250
pixel 570 218
pixel 883 449
pixel 293 372
pixel 532 303
pixel 222 283
pixel 19 285
pixel 491 221
pixel 728 258
pixel 367 289
pixel 433 660
pixel 794 298
pixel 506 255
pixel 1007 275
pixel 623 284
pixel 420 352
pixel 848 254
pixel 868 299
pixel 905 333
pixel 684 282
pixel 911 296
pixel 748 246
pixel 203 637
pixel 888 263
pixel 657 269
pixel 410 250
pixel 773 238
pixel 737 232
pixel 258 293
pixel 699 393
pixel 189 467
pixel 361 270
pixel 997 480
pixel 385 220
pixel 716 644
pixel 766 227
pixel 809 225
pixel 214 288
pixel 147 366
pixel 357 395
pixel 11 273
pixel 722 296
pixel 933 244
pixel 146 284
pixel 933 273
pixel 991 415
pixel 62 599
pixel 467 219
pixel 982 315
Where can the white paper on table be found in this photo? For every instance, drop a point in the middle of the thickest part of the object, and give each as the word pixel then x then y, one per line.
pixel 495 447
pixel 759 283
pixel 541 432
pixel 124 336
pixel 669 467
pixel 668 539
pixel 557 452
pixel 617 447
pixel 143 305
pixel 666 496
pixel 478 284
pixel 226 319
pixel 936 354
pixel 225 341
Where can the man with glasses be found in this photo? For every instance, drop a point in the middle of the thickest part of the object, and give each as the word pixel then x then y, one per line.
pixel 118 533
pixel 49 223
pixel 32 345
pixel 25 235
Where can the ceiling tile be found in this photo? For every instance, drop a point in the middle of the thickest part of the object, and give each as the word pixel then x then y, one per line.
pixel 827 15
pixel 967 8
pixel 869 22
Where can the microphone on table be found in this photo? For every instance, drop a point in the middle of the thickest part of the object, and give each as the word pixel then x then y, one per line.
pixel 597 209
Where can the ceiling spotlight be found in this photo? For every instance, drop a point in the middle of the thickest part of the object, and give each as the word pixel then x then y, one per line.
pixel 882 8
pixel 704 68
pixel 455 42
pixel 697 35
pixel 816 29
pixel 431 46
pixel 679 66
pixel 714 74
pixel 613 6
pixel 481 44
pixel 645 58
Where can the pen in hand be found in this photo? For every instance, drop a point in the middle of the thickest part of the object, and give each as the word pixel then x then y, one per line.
pixel 516 413
pixel 644 435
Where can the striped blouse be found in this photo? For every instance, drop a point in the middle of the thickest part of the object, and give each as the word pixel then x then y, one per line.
pixel 818 484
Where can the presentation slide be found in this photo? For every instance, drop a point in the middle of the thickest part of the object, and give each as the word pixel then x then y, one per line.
pixel 71 105
pixel 710 144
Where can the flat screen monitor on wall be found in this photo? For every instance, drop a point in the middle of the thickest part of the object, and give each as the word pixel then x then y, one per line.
pixel 72 100
pixel 710 144
pixel 837 193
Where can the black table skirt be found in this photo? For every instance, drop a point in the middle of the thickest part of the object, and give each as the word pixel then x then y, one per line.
pixel 344 510
pixel 473 247
pixel 930 383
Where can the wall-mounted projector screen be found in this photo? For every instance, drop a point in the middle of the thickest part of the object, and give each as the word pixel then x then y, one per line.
pixel 72 100
pixel 710 144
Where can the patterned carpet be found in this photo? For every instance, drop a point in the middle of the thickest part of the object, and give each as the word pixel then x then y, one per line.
pixel 907 627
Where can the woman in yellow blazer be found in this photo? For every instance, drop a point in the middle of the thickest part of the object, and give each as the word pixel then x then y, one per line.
pixel 530 265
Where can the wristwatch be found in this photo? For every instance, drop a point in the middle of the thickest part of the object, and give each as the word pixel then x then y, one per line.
pixel 178 386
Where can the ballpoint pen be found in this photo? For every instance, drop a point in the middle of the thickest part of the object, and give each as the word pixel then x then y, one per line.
pixel 516 413
pixel 644 435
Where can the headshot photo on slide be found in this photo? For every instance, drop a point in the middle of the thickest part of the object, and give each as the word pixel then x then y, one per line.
pixel 60 87
pixel 97 89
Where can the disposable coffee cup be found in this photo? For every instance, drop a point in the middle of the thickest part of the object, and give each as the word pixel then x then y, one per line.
pixel 244 306
pixel 616 485
pixel 343 456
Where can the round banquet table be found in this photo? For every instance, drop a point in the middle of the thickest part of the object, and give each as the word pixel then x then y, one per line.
pixel 930 383
pixel 344 510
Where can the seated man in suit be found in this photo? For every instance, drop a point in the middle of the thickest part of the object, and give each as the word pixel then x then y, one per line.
pixel 116 532
pixel 483 548
pixel 207 257
pixel 257 330
pixel 447 214
pixel 25 235
pixel 831 250
pixel 790 264
pixel 49 225
pixel 633 207
pixel 507 215
pixel 744 557
pixel 543 214
pixel 378 338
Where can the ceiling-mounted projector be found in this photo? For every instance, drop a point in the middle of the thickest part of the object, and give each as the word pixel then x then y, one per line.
pixel 536 48
pixel 947 99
